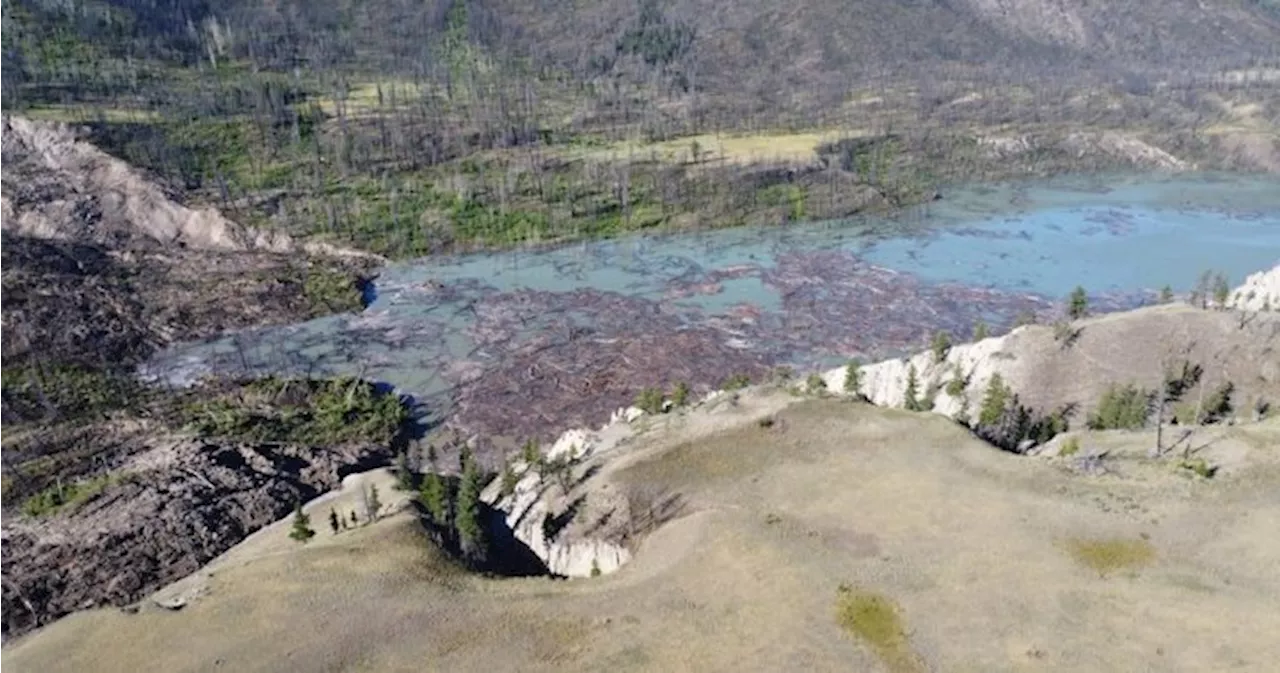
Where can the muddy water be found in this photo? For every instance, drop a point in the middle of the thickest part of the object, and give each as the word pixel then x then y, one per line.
pixel 473 335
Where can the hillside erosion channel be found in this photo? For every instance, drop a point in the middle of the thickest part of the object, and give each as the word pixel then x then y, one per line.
pixel 499 348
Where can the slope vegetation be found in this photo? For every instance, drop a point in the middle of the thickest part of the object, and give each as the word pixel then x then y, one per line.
pixel 841 536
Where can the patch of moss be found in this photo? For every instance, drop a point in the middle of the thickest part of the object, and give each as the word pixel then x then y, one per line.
pixel 1106 556
pixel 1199 467
pixel 312 412
pixel 58 497
pixel 874 619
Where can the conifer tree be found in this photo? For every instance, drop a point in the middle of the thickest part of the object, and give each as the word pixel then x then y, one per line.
pixel 467 521
pixel 301 530
pixel 435 498
pixel 333 521
pixel 680 396
pixel 912 401
pixel 509 479
pixel 993 402
pixel 853 376
pixel 1077 304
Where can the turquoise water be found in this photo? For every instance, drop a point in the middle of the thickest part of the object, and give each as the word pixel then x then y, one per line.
pixel 572 333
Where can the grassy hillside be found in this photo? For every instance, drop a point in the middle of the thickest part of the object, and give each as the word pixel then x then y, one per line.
pixel 842 537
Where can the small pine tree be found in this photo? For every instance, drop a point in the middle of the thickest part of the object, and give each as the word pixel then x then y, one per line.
pixel 1221 290
pixel 1166 294
pixel 680 395
pixel 1077 304
pixel 994 401
pixel 911 400
pixel 853 376
pixel 301 530
pixel 467 521
pixel 434 496
pixel 595 568
pixel 404 477
pixel 509 479
pixel 334 524
pixel 941 345
pixel 980 331
pixel 530 454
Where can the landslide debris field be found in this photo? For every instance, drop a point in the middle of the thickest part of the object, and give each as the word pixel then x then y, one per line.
pixel 839 537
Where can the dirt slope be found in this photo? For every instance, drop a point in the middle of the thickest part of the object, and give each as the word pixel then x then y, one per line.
pixel 979 553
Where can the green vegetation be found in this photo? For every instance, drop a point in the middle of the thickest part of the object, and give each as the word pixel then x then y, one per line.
pixel 736 382
pixel 297 411
pixel 1199 467
pixel 940 345
pixel 467 517
pixel 64 497
pixel 1106 556
pixel 1122 407
pixel 1077 304
pixel 301 529
pixel 509 479
pixel 815 384
pixel 331 291
pixel 651 401
pixel 1166 295
pixel 980 331
pixel 994 401
pixel 874 620
pixel 853 376
pixel 680 395
pixel 958 382
pixel 335 524
pixel 911 397
pixel 1070 447
pixel 435 497
pixel 36 391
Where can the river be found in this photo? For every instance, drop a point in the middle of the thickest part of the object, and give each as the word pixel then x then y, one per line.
pixel 525 343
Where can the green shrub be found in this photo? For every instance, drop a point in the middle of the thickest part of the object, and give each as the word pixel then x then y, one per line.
pixel 680 395
pixel 1198 467
pixel 65 497
pixel 736 382
pixel 815 383
pixel 294 411
pixel 1122 408
pixel 650 401
pixel 1070 447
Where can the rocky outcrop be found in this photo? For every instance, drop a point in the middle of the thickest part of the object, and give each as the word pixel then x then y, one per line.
pixel 56 186
pixel 551 514
pixel 1258 292
pixel 163 513
pixel 885 383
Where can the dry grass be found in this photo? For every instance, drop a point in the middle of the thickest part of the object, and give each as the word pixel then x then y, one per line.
pixel 926 522
pixel 764 147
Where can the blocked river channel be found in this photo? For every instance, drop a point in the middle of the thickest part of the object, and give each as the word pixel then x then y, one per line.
pixel 527 343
